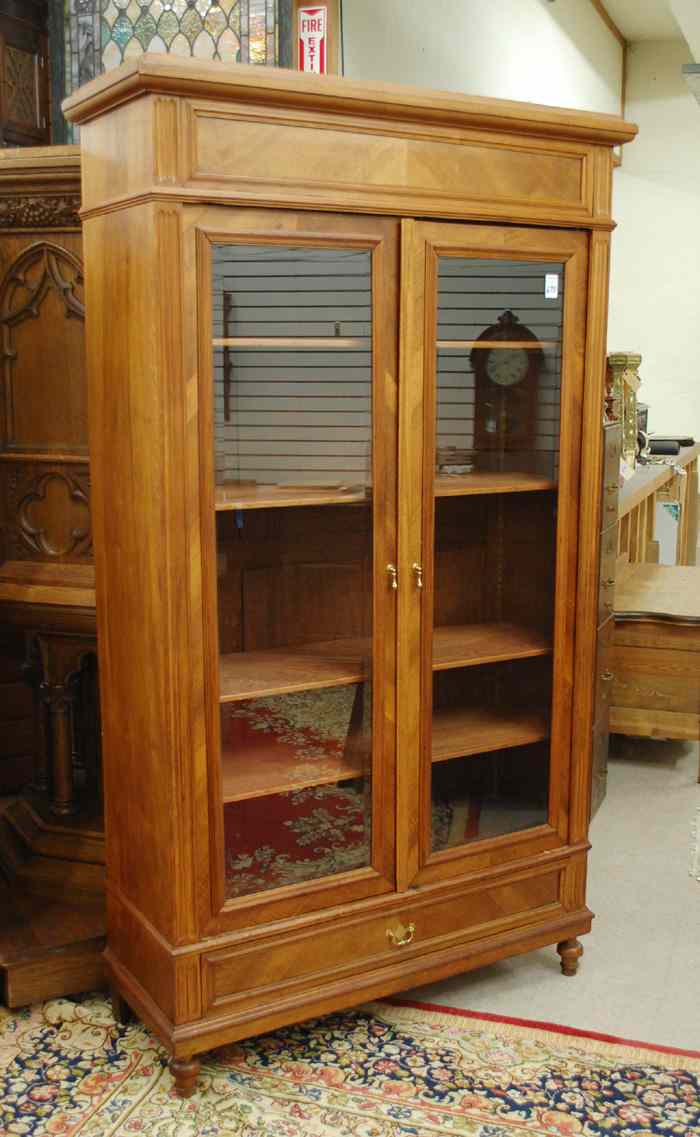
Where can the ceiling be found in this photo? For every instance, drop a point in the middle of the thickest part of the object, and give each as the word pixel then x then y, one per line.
pixel 643 19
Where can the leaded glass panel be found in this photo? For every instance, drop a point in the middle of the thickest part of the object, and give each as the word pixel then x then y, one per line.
pixel 97 35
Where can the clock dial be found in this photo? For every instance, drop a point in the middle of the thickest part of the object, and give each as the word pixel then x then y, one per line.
pixel 506 366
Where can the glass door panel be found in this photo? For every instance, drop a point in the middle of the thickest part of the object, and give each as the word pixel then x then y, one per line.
pixel 498 371
pixel 293 422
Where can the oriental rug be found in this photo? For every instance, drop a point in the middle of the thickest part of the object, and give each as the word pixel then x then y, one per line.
pixel 384 1070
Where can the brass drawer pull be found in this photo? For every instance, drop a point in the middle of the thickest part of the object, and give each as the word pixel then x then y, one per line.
pixel 393 576
pixel 607 676
pixel 609 582
pixel 418 573
pixel 612 487
pixel 401 936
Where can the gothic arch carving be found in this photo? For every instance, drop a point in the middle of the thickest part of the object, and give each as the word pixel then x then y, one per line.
pixel 38 269
pixel 43 365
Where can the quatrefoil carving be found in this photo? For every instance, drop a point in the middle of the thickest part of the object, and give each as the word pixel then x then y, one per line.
pixel 54 519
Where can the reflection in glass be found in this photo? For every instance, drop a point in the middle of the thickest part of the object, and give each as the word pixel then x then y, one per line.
pixel 489 795
pixel 292 450
pixel 497 426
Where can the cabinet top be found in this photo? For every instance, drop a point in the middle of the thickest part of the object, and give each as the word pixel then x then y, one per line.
pixel 190 78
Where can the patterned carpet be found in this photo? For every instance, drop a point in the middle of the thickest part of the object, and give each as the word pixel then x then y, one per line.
pixel 380 1071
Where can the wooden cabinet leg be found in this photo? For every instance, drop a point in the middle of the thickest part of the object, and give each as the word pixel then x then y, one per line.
pixel 121 1010
pixel 570 952
pixel 185 1072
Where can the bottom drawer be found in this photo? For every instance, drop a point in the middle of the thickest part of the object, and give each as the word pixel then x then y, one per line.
pixel 409 925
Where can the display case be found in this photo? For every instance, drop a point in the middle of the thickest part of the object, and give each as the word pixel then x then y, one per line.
pixel 346 512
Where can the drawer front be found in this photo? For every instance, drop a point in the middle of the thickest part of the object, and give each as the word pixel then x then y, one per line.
pixel 608 561
pixel 611 473
pixel 604 677
pixel 254 975
pixel 656 679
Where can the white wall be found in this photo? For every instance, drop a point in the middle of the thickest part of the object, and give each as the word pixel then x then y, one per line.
pixel 561 54
pixel 655 282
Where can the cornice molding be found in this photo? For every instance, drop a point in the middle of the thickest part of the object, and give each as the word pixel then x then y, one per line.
pixel 198 79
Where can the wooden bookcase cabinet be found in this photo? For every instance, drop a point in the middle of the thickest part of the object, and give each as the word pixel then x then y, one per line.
pixel 343 654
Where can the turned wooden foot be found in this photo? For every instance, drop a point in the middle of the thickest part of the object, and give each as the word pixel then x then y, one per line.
pixel 570 952
pixel 185 1072
pixel 121 1010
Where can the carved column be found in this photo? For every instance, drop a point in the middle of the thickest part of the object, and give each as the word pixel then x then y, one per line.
pixel 60 701
pixel 624 368
pixel 32 672
pixel 61 657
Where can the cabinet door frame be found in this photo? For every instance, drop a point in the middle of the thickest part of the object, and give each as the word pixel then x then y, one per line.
pixel 203 228
pixel 422 244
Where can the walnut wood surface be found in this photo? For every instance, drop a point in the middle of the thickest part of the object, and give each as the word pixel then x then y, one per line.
pixel 307 668
pixel 180 156
pixel 469 645
pixel 487 481
pixel 478 730
pixel 570 952
pixel 238 496
pixel 185 1072
pixel 152 72
pixel 260 772
pixel 512 161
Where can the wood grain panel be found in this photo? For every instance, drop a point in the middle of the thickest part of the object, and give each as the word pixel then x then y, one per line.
pixel 360 944
pixel 362 166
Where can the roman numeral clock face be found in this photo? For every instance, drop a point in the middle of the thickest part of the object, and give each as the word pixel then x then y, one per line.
pixel 506 367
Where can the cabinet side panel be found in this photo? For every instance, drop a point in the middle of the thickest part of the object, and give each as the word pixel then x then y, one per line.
pixel 135 404
pixel 118 153
pixel 589 535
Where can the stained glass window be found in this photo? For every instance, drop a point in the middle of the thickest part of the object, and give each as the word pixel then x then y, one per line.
pixel 91 36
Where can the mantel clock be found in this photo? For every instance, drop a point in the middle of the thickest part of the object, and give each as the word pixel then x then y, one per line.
pixel 507 361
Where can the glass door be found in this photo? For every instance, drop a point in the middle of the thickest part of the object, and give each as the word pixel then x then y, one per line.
pixel 302 366
pixel 495 568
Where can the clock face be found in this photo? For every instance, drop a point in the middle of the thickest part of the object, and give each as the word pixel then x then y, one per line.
pixel 507 366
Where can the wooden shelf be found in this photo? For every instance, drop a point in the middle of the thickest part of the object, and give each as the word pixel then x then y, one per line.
pixel 459 732
pixel 468 645
pixel 309 667
pixel 486 481
pixel 253 496
pixel 505 345
pixel 326 342
pixel 337 663
pixel 261 771
pixel 233 495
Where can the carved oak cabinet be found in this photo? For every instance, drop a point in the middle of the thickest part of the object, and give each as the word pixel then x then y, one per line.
pixel 346 356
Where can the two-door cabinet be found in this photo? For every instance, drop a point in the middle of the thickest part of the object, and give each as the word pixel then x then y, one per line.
pixel 346 360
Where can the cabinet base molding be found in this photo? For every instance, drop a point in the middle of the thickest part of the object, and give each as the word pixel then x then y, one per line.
pixel 188 1039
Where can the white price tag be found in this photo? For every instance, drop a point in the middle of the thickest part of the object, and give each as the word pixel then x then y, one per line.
pixel 551 285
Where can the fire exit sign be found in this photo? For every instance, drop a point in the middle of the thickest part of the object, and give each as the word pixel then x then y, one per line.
pixel 313 38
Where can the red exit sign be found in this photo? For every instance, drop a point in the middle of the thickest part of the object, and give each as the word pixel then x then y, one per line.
pixel 313 39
